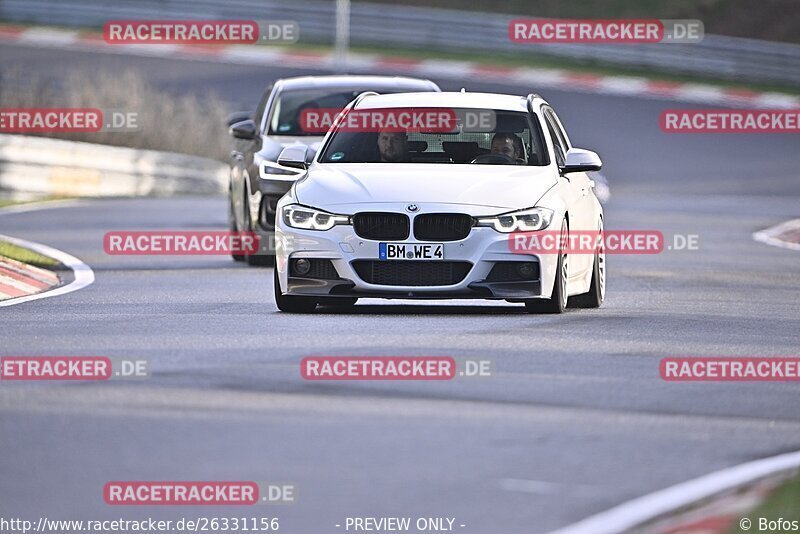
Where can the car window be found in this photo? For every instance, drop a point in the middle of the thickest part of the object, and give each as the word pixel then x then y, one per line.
pixel 293 110
pixel 562 134
pixel 262 107
pixel 558 145
pixel 512 133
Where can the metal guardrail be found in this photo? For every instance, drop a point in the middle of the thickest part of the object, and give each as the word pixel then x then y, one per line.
pixel 432 29
pixel 58 167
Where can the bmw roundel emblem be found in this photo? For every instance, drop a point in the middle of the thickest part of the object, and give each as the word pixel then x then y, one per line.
pixel 412 208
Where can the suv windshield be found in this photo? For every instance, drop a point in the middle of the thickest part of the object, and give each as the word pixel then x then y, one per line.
pixel 436 135
pixel 291 107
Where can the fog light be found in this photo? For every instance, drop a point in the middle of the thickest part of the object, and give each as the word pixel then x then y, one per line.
pixel 527 270
pixel 302 266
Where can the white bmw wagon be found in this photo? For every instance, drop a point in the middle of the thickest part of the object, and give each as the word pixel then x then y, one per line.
pixel 423 196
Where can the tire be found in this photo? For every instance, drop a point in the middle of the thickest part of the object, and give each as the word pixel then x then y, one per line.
pixel 255 260
pixel 557 302
pixel 260 260
pixel 289 303
pixel 597 290
pixel 233 228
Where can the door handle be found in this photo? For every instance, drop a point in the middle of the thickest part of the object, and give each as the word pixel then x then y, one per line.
pixel 237 156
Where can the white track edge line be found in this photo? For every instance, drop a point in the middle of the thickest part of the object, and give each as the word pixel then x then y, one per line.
pixel 83 274
pixel 633 513
pixel 767 236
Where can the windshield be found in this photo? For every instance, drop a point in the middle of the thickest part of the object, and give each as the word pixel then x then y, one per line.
pixel 291 106
pixel 436 135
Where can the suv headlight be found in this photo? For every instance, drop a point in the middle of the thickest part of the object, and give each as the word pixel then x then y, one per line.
pixel 527 220
pixel 298 216
pixel 269 170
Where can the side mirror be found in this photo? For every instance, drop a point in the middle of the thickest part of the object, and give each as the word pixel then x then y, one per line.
pixel 245 129
pixel 238 116
pixel 294 157
pixel 580 160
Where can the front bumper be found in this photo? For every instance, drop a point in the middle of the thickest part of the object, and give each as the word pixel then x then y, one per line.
pixel 343 287
pixel 482 249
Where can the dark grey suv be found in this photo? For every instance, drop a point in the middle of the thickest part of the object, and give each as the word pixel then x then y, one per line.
pixel 255 186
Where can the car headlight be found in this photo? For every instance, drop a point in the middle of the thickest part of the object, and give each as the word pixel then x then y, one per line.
pixel 527 220
pixel 298 216
pixel 269 170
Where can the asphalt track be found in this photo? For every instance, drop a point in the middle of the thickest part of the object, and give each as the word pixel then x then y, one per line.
pixel 575 421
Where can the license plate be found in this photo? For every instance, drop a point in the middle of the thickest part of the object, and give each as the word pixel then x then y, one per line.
pixel 410 251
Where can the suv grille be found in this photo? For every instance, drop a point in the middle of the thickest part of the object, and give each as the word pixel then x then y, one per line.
pixel 442 226
pixel 412 273
pixel 376 225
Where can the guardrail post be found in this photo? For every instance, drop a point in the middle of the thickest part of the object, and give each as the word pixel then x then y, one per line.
pixel 342 34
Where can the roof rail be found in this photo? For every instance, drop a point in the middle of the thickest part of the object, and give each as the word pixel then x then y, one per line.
pixel 362 96
pixel 530 99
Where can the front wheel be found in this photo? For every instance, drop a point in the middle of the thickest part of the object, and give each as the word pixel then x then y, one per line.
pixel 291 303
pixel 597 291
pixel 557 302
pixel 258 259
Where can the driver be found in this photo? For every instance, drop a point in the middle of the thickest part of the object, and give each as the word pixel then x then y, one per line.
pixel 507 144
pixel 393 147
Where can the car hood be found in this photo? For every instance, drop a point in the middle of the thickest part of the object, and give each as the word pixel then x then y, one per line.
pixel 509 187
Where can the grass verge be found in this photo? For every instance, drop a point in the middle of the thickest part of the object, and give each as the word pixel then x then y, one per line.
pixel 183 123
pixel 777 20
pixel 5 202
pixel 521 59
pixel 550 62
pixel 782 504
pixel 14 252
